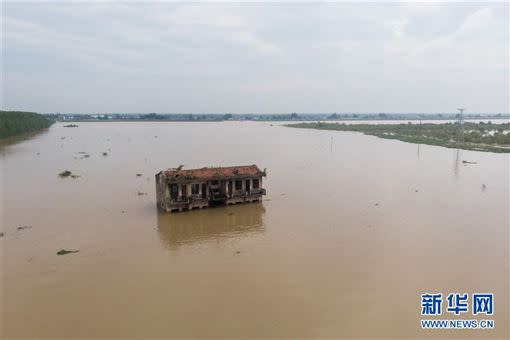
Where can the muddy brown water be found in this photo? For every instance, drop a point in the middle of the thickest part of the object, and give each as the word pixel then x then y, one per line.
pixel 353 229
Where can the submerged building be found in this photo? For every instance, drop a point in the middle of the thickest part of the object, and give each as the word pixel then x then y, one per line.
pixel 179 189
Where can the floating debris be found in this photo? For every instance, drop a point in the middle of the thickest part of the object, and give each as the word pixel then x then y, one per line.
pixel 2 234
pixel 70 125
pixel 65 252
pixel 377 204
pixel 467 162
pixel 416 190
pixel 65 173
pixel 141 193
pixel 24 227
pixel 484 187
pixel 238 252
pixel 75 176
pixel 105 153
pixel 138 175
pixel 86 156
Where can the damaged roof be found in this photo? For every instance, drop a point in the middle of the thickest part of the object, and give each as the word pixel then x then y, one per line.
pixel 212 173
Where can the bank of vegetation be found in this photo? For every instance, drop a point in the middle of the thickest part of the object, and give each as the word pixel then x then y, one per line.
pixel 218 117
pixel 13 123
pixel 477 136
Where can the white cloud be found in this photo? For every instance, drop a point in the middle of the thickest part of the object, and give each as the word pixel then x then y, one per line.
pixel 478 42
pixel 255 57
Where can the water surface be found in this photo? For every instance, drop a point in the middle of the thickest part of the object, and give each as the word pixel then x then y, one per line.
pixel 353 229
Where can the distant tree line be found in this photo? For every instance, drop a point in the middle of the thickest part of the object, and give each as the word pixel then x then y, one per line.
pixel 13 123
pixel 477 136
pixel 214 117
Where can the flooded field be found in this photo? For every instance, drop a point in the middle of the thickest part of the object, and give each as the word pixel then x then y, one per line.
pixel 352 231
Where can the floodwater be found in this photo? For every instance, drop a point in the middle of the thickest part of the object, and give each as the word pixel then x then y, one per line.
pixel 352 231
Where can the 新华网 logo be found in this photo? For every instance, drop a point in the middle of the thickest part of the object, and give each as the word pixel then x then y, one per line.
pixel 457 304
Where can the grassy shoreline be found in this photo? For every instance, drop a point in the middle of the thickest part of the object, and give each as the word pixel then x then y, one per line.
pixel 485 137
pixel 16 123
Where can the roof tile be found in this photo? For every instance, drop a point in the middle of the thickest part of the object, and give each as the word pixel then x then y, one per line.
pixel 210 173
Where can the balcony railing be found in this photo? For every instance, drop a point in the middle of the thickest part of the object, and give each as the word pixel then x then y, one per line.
pixel 238 193
pixel 257 191
pixel 178 200
pixel 241 193
pixel 218 195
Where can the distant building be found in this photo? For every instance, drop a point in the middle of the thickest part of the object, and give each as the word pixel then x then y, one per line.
pixel 179 189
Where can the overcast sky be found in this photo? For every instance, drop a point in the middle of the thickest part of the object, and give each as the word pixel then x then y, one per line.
pixel 266 57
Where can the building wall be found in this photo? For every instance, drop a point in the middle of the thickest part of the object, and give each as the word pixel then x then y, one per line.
pixel 163 190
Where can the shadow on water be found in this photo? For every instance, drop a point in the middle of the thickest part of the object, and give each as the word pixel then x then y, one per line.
pixel 176 229
pixel 5 143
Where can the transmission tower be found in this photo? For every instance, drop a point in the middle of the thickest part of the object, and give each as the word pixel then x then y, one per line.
pixel 460 128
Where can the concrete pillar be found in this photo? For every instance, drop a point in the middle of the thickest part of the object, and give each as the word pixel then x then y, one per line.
pixel 179 192
pixel 166 194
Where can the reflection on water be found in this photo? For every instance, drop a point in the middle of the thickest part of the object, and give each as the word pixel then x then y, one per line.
pixel 456 162
pixel 331 147
pixel 176 229
pixel 5 143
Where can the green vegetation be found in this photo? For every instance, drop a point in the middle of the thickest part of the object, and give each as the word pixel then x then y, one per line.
pixel 13 123
pixel 302 116
pixel 67 173
pixel 477 136
pixel 65 252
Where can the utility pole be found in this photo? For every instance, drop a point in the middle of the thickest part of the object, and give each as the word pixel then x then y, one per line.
pixel 460 128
